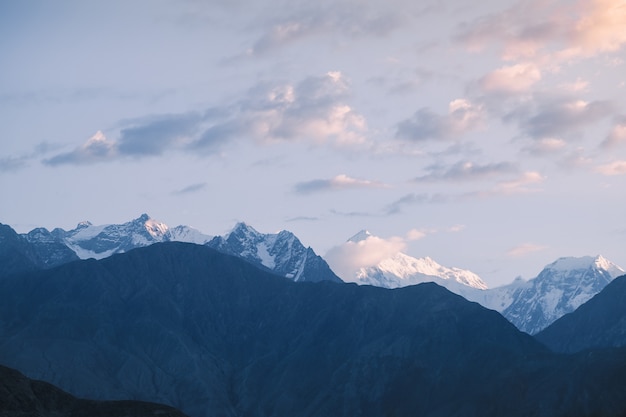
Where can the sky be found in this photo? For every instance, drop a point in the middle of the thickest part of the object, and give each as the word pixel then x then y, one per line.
pixel 490 136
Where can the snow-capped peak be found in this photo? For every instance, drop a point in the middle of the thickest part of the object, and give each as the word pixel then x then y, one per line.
pixel 242 228
pixel 401 270
pixel 155 228
pixel 83 224
pixel 586 262
pixel 362 235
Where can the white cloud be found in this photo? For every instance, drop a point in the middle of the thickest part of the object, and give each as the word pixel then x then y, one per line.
pixel 516 78
pixel 525 249
pixel 522 184
pixel 613 168
pixel 416 234
pixel 549 32
pixel 349 257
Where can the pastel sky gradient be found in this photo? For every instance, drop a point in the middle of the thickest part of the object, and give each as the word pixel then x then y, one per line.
pixel 490 135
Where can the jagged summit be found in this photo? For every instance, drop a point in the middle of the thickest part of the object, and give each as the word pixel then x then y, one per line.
pixel 560 288
pixel 280 252
pixel 84 224
pixel 101 241
pixel 362 235
pixel 586 262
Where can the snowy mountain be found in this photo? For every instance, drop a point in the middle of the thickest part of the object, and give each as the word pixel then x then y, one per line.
pixel 89 241
pixel 560 288
pixel 281 253
pixel 401 270
pixel 531 305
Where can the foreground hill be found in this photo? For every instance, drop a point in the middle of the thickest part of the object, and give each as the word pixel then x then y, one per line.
pixel 212 335
pixel 599 323
pixel 24 397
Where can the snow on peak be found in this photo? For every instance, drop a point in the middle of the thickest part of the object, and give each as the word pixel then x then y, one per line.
pixel 155 229
pixel 614 270
pixel 362 235
pixel 83 224
pixel 586 262
pixel 242 228
pixel 405 267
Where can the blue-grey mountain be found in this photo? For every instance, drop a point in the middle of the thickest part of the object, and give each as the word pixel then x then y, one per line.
pixel 599 323
pixel 282 253
pixel 213 335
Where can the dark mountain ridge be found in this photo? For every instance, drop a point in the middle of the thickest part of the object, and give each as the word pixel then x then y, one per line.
pixel 24 397
pixel 212 335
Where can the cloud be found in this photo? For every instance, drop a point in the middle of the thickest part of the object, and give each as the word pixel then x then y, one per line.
pixel 462 117
pixel 313 110
pixel 598 28
pixel 466 171
pixel 576 159
pixel 416 234
pixel 456 228
pixel 545 29
pixel 339 18
pixel 155 134
pixel 511 79
pixel 339 182
pixel 12 164
pixel 525 249
pixel 143 137
pixel 413 199
pixel 617 136
pixel 522 184
pixel 97 149
pixel 191 189
pixel 549 118
pixel 545 146
pixel 303 219
pixel 612 169
pixel 349 257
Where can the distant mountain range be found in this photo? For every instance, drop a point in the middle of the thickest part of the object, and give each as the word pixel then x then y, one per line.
pixel 281 253
pixel 531 305
pixel 214 335
pixel 402 270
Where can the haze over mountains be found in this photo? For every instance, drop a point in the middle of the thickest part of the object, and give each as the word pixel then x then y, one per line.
pixel 212 334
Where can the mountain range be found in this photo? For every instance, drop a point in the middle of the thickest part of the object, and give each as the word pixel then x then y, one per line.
pixel 531 305
pixel 281 253
pixel 214 335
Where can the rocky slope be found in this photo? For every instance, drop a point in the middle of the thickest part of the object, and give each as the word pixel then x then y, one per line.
pixel 281 253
